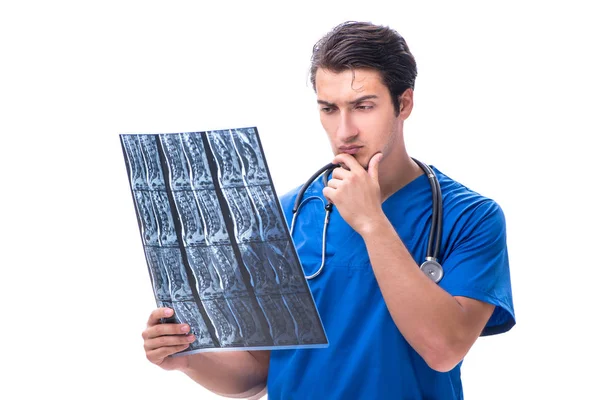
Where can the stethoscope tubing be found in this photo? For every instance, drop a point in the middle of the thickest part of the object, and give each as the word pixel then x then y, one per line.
pixel 431 266
pixel 435 233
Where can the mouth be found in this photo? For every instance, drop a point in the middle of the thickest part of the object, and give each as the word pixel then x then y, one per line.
pixel 349 149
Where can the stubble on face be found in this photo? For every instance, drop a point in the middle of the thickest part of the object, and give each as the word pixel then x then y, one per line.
pixel 371 125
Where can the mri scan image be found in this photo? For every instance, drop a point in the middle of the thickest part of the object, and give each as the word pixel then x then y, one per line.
pixel 216 244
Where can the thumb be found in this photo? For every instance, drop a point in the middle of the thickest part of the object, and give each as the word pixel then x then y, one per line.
pixel 373 167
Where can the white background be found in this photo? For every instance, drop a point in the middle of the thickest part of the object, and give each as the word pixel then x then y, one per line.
pixel 506 102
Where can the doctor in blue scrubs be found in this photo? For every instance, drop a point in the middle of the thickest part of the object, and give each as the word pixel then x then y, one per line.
pixel 393 332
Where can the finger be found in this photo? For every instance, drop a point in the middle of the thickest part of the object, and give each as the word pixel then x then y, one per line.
pixel 165 329
pixel 329 194
pixel 168 341
pixel 334 183
pixel 340 173
pixel 349 161
pixel 157 355
pixel 156 315
pixel 373 168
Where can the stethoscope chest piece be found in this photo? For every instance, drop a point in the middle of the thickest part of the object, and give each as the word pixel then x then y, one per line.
pixel 433 270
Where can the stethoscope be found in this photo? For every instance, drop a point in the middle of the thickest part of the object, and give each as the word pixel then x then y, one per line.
pixel 431 267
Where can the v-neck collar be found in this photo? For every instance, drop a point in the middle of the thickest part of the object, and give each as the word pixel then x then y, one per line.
pixel 345 247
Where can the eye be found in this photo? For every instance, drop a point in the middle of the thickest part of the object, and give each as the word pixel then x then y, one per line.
pixel 364 107
pixel 327 110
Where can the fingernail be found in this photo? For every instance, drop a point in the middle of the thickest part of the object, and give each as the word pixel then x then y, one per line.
pixel 185 328
pixel 168 312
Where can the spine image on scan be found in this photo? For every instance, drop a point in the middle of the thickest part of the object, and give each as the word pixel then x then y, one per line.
pixel 216 243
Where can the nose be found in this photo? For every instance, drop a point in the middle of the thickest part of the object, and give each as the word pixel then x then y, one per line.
pixel 347 130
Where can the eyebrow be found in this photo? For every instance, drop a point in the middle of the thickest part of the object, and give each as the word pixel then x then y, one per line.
pixel 353 102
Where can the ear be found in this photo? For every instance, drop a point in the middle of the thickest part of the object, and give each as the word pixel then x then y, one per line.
pixel 406 103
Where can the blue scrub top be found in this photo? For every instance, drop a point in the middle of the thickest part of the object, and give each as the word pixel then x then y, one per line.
pixel 367 357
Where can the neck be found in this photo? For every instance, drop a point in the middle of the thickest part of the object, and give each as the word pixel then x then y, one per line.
pixel 395 172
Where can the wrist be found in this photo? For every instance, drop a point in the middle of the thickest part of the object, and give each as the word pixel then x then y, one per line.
pixel 185 365
pixel 374 226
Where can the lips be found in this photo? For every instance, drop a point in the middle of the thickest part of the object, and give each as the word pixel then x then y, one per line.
pixel 350 149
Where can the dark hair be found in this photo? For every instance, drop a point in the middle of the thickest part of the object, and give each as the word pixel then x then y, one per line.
pixel 352 45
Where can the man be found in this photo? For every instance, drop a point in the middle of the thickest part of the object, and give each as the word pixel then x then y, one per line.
pixel 394 333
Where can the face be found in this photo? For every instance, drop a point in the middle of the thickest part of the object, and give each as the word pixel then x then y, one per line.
pixel 357 113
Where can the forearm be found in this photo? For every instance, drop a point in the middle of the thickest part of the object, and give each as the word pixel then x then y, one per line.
pixel 232 374
pixel 430 319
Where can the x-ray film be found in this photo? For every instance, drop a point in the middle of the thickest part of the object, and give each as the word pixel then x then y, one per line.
pixel 217 246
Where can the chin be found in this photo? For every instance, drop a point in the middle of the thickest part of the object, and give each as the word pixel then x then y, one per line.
pixel 364 160
pixel 363 163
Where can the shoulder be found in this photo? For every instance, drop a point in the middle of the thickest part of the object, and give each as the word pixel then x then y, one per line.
pixel 461 200
pixel 467 213
pixel 288 198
